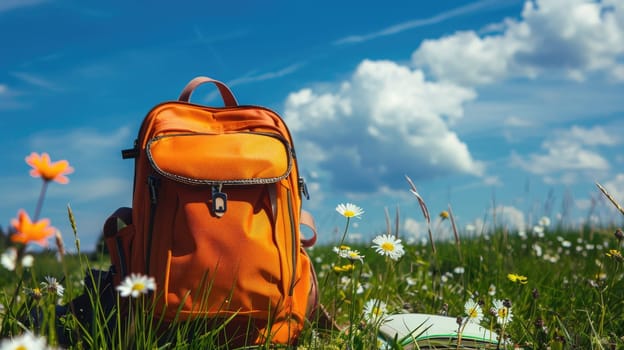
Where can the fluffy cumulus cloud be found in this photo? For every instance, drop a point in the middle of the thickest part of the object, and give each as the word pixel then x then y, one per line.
pixel 575 37
pixel 384 122
pixel 509 217
pixel 575 149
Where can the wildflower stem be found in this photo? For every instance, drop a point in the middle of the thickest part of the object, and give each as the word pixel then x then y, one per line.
pixel 344 234
pixel 455 233
pixel 460 331
pixel 354 281
pixel 44 188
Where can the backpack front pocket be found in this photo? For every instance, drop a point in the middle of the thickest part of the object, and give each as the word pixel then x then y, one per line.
pixel 218 265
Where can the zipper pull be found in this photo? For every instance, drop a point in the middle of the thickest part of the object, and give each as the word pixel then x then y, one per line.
pixel 303 187
pixel 153 182
pixel 219 201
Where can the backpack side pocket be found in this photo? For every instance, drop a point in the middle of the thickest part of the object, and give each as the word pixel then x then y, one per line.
pixel 119 235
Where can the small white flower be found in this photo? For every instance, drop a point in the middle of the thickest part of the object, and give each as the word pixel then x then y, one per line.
pixel 375 310
pixel 349 210
pixel 503 313
pixel 25 341
pixel 473 311
pixel 389 246
pixel 538 249
pixel 492 290
pixel 522 234
pixel 9 258
pixel 28 260
pixel 52 286
pixel 544 221
pixel 348 253
pixel 135 285
pixel 538 231
pixel 459 270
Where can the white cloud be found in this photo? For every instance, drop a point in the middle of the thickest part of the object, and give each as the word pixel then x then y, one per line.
pixel 7 5
pixel 7 98
pixel 253 78
pixel 596 136
pixel 413 230
pixel 80 141
pixel 88 189
pixel 401 27
pixel 575 37
pixel 384 122
pixel 615 187
pixel 37 81
pixel 267 75
pixel 574 149
pixel 514 121
pixel 509 217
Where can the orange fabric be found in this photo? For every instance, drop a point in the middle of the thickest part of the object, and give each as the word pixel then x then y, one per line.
pixel 249 260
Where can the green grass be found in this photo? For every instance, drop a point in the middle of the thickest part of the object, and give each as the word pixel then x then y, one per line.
pixel 572 298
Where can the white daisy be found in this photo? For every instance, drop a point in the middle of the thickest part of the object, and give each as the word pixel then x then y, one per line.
pixel 349 210
pixel 502 310
pixel 52 286
pixel 375 310
pixel 135 285
pixel 9 258
pixel 25 341
pixel 544 221
pixel 388 245
pixel 473 311
pixel 348 253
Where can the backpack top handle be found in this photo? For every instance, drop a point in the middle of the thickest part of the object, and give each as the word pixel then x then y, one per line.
pixel 226 94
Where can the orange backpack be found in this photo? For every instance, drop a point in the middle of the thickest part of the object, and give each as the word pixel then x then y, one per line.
pixel 216 217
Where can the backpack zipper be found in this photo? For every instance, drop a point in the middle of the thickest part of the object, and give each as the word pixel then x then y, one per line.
pixel 251 181
pixel 293 244
pixel 153 183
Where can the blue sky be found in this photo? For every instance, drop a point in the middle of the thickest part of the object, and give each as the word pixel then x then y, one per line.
pixel 505 107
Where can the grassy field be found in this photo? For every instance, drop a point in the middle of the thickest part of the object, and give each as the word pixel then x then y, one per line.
pixel 563 289
pixel 549 288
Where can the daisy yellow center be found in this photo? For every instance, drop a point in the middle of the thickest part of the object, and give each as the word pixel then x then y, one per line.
pixel 387 246
pixel 349 213
pixel 138 286
pixel 376 311
pixel 502 312
pixel 473 313
pixel 21 347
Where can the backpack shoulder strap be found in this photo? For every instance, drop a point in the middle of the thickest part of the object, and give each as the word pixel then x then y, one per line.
pixel 307 220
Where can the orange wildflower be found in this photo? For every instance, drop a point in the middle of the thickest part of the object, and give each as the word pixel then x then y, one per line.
pixel 48 171
pixel 27 231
